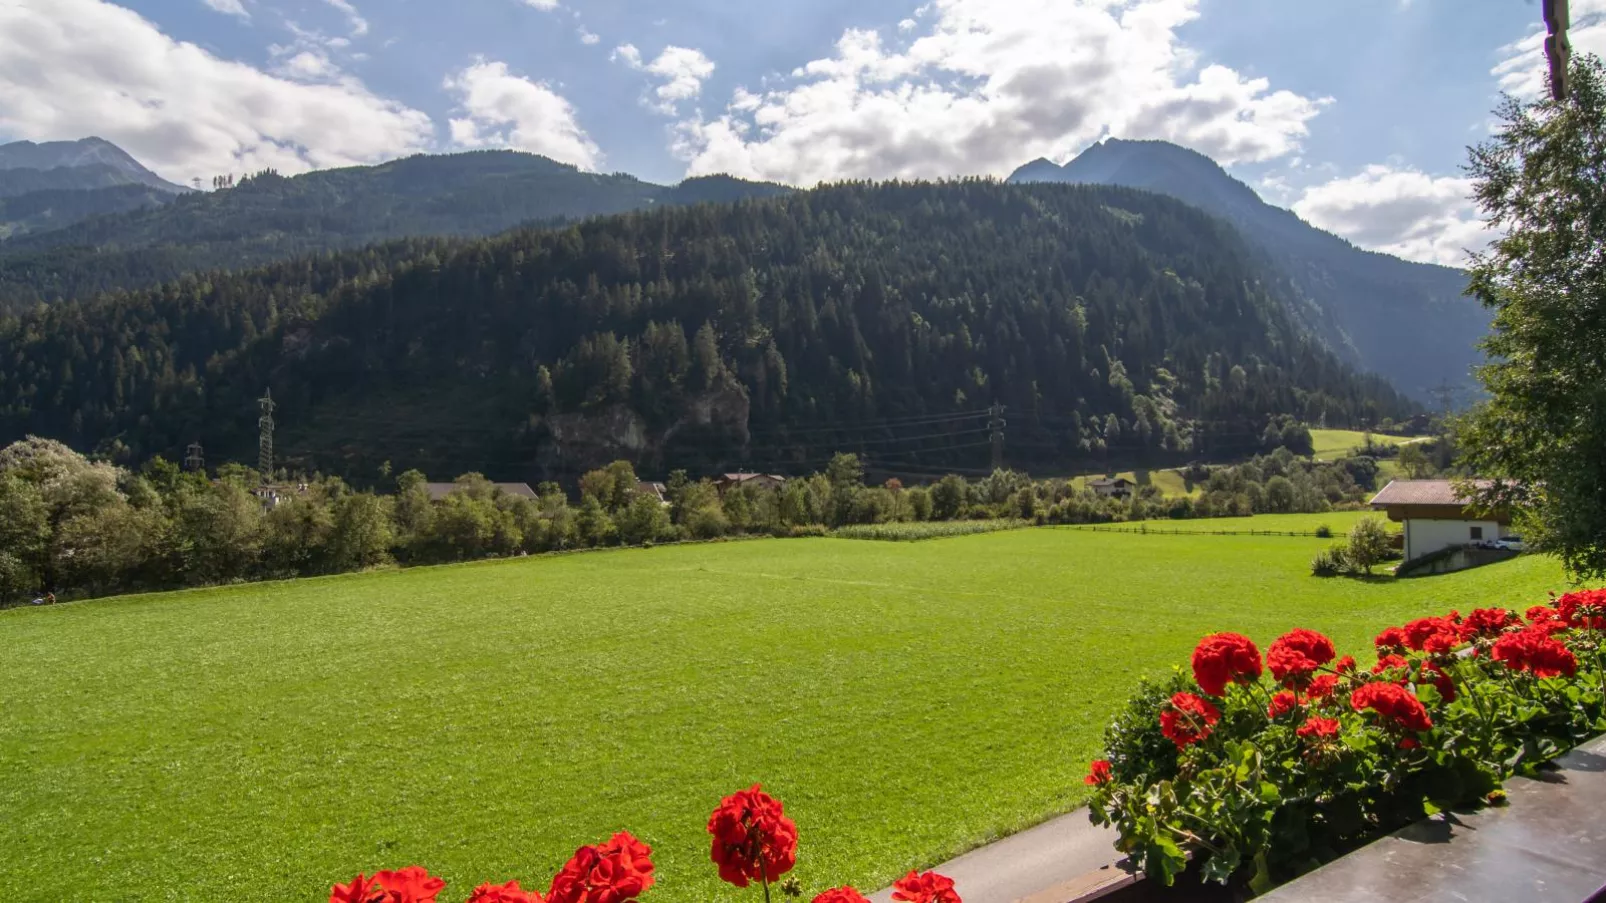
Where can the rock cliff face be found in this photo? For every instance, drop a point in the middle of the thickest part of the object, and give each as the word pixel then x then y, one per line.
pixel 714 422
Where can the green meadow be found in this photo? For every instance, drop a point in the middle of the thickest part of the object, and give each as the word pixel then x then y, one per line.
pixel 907 700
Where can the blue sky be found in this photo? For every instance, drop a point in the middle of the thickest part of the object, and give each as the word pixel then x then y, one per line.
pixel 1356 113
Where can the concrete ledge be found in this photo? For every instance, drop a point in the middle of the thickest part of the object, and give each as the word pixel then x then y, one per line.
pixel 1045 864
pixel 1548 844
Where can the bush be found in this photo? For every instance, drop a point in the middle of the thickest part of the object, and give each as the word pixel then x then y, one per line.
pixel 1265 779
pixel 1324 532
pixel 1329 562
pixel 1368 544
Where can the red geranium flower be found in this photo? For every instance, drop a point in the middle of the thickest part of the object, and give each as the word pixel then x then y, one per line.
pixel 1436 635
pixel 412 884
pixel 1345 665
pixel 1098 772
pixel 1391 638
pixel 1440 679
pixel 1281 704
pixel 613 872
pixel 360 890
pixel 1543 617
pixel 1484 623
pixel 1395 705
pixel 1187 719
pixel 1296 654
pixel 1323 686
pixel 1585 609
pixel 841 895
pixel 1318 728
pixel 1224 658
pixel 1392 663
pixel 1534 650
pixel 925 887
pixel 503 893
pixel 753 840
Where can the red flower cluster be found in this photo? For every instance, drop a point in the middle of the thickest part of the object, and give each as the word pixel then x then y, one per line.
pixel 1487 623
pixel 753 838
pixel 1281 704
pixel 1392 663
pixel 1188 719
pixel 1585 609
pixel 1224 658
pixel 1543 617
pixel 1534 650
pixel 1324 685
pixel 1345 665
pixel 1318 729
pixel 841 895
pixel 1433 674
pixel 1392 638
pixel 1098 772
pixel 409 885
pixel 504 893
pixel 1398 707
pixel 1295 655
pixel 613 872
pixel 925 887
pixel 1434 635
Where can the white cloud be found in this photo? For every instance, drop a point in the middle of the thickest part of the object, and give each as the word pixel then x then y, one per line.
pixel 542 4
pixel 229 7
pixel 501 109
pixel 1523 70
pixel 680 70
pixel 70 68
pixel 308 66
pixel 1399 211
pixel 359 25
pixel 982 86
pixel 588 36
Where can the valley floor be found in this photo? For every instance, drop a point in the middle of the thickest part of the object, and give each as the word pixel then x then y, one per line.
pixel 906 700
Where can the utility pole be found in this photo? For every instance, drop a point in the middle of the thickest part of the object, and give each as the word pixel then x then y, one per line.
pixel 265 442
pixel 1558 50
pixel 995 425
pixel 195 457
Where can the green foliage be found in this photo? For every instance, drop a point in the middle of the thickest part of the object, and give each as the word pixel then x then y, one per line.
pixel 1542 433
pixel 1330 562
pixel 906 532
pixel 1367 545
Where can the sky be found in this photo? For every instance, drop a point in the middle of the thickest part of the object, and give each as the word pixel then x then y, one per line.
pixel 1354 113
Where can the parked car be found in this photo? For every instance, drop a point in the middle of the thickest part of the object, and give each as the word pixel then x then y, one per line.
pixel 1510 544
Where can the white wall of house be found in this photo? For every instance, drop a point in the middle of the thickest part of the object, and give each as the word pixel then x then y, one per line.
pixel 1424 537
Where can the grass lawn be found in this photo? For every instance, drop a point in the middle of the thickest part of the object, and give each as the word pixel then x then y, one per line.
pixel 907 701
pixel 1330 444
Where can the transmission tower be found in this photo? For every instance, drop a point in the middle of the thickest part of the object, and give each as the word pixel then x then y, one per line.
pixel 995 425
pixel 265 443
pixel 1444 393
pixel 194 457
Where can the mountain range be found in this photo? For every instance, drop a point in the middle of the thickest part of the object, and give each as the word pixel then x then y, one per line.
pixel 717 322
pixel 1410 322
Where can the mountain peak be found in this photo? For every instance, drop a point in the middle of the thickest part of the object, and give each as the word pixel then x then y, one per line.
pixel 93 152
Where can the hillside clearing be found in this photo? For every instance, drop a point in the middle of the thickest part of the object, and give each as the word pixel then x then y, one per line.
pixel 906 700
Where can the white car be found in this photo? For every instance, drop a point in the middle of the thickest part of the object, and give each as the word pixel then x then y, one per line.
pixel 1510 544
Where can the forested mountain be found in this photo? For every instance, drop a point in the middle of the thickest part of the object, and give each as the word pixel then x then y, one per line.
pixel 268 217
pixel 877 318
pixel 1407 321
pixel 57 208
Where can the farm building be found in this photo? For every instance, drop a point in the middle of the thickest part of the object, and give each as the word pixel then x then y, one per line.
pixel 760 480
pixel 1437 517
pixel 439 491
pixel 1112 488
pixel 657 490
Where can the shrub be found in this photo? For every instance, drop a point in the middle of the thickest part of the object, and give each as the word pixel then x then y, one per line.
pixel 1271 777
pixel 1328 562
pixel 1324 532
pixel 1368 544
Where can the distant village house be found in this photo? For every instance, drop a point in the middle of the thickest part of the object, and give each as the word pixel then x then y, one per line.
pixel 439 491
pixel 657 490
pixel 760 480
pixel 1112 488
pixel 1437 517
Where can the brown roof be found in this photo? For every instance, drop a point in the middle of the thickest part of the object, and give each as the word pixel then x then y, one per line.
pixel 1422 492
pixel 744 477
pixel 438 491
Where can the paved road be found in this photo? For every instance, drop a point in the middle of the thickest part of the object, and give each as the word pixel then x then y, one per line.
pixel 1028 863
